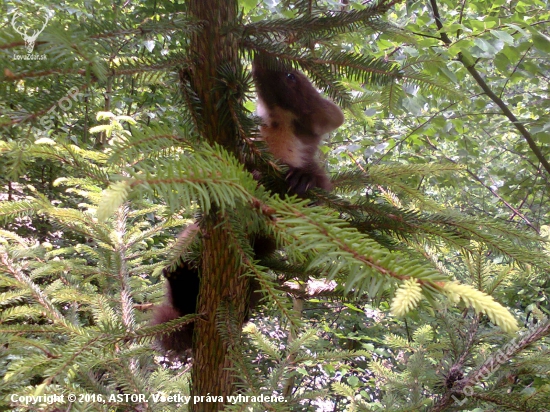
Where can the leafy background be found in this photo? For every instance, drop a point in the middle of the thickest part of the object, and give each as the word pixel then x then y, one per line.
pixel 440 173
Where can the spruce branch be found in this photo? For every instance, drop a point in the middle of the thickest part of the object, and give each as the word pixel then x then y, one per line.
pixel 481 303
pixel 332 21
pixel 121 249
pixel 491 364
pixel 406 298
pixel 509 350
pixel 9 266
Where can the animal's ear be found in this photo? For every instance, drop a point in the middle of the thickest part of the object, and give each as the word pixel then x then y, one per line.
pixel 328 117
pixel 263 62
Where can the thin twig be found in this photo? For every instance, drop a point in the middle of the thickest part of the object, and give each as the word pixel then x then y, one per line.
pixel 481 82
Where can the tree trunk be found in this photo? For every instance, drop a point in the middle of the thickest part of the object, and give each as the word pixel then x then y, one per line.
pixel 209 50
pixel 221 283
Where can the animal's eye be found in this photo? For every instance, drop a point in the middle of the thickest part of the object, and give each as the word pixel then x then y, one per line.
pixel 291 77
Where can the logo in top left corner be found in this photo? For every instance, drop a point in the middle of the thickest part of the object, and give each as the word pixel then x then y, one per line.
pixel 29 30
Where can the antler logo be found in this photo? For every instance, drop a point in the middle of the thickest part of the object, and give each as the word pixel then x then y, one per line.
pixel 25 31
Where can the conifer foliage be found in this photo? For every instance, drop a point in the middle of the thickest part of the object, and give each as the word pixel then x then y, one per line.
pixel 137 122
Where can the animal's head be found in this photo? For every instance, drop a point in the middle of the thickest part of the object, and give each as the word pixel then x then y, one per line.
pixel 284 87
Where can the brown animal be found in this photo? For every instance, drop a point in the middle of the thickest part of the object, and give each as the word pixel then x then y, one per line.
pixel 294 119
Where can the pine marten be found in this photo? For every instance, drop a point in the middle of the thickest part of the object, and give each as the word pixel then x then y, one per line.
pixel 294 119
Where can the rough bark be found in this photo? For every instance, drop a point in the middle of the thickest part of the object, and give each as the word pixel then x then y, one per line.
pixel 210 49
pixel 221 283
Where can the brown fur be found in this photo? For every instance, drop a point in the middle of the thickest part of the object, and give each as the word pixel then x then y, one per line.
pixel 182 290
pixel 179 341
pixel 294 119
